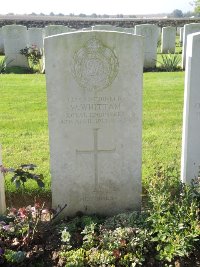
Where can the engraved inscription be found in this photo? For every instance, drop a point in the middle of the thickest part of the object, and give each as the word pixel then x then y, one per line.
pixel 94 66
pixel 96 110
pixel 95 151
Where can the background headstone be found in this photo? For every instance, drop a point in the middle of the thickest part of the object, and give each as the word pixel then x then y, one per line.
pixel 56 29
pixel 1 42
pixel 113 28
pixel 181 36
pixel 150 33
pixel 2 189
pixel 15 39
pixel 188 29
pixel 94 89
pixel 168 40
pixel 36 37
pixel 190 163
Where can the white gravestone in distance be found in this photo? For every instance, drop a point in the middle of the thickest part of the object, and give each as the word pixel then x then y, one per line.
pixel 94 89
pixel 2 189
pixel 1 42
pixel 150 33
pixel 56 29
pixel 168 40
pixel 188 29
pixel 15 39
pixel 113 28
pixel 36 37
pixel 190 162
pixel 181 36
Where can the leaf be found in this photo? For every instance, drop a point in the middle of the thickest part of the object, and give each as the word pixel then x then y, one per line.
pixel 28 166
pixel 17 183
pixel 40 183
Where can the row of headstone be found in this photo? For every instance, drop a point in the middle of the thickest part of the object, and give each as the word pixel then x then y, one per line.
pixel 94 91
pixel 35 36
pixel 13 38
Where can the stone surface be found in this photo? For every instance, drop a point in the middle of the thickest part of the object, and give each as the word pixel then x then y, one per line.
pixel 190 163
pixel 36 37
pixel 15 39
pixel 181 36
pixel 188 29
pixel 104 27
pixel 168 40
pixel 113 28
pixel 150 33
pixel 94 89
pixel 56 29
pixel 1 42
pixel 2 189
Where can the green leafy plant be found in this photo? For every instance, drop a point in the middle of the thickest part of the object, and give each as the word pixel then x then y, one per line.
pixel 34 56
pixel 173 217
pixel 24 173
pixel 170 62
pixel 3 64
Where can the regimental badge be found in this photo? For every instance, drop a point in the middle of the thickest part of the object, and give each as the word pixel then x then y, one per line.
pixel 94 66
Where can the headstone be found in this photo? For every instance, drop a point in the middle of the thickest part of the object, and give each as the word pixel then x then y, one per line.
pixel 112 28
pixel 94 89
pixel 190 163
pixel 178 31
pixel 1 42
pixel 159 30
pixel 87 29
pixel 188 29
pixel 181 36
pixel 2 189
pixel 168 40
pixel 104 27
pixel 15 39
pixel 56 29
pixel 150 33
pixel 36 37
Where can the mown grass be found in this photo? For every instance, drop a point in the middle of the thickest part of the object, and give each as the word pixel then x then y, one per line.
pixel 24 125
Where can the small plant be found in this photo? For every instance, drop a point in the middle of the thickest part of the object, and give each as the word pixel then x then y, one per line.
pixel 34 56
pixel 170 62
pixel 173 216
pixel 24 173
pixel 3 64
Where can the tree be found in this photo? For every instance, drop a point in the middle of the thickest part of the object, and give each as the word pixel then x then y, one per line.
pixel 93 15
pixel 197 6
pixel 177 13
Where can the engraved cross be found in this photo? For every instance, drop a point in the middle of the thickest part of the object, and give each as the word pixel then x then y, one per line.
pixel 95 151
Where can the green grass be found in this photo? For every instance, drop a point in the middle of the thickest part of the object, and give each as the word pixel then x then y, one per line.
pixel 162 119
pixel 24 126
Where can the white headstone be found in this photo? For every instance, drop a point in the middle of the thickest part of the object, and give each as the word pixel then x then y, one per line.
pixel 56 29
pixel 178 31
pixel 36 37
pixel 104 27
pixel 113 28
pixel 188 29
pixel 150 33
pixel 2 189
pixel 190 163
pixel 94 89
pixel 168 40
pixel 181 36
pixel 15 39
pixel 1 42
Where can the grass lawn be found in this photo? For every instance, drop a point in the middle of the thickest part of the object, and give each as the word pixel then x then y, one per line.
pixel 24 125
